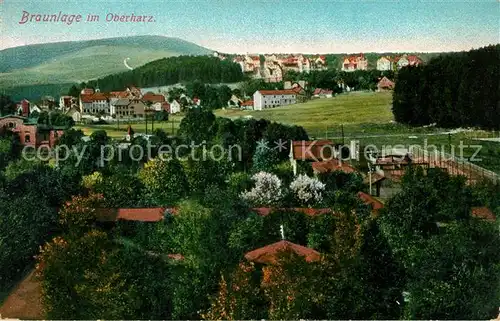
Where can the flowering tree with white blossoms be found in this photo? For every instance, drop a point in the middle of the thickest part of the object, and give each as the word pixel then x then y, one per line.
pixel 267 190
pixel 307 190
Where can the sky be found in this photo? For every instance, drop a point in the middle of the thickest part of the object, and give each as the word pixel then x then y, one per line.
pixel 265 26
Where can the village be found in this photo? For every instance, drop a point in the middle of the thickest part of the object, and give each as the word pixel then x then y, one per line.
pixel 135 103
pixel 276 160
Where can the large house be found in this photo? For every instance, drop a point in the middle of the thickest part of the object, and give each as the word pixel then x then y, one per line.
pixel 30 134
pixel 273 98
pixel 128 108
pixel 407 60
pixel 96 103
pixel 319 63
pixel 385 63
pixel 353 63
pixel 155 100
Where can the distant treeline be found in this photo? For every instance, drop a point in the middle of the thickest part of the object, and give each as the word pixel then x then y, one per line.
pixel 173 70
pixel 453 90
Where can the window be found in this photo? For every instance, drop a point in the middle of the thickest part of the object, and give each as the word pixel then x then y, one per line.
pixel 27 139
pixel 11 125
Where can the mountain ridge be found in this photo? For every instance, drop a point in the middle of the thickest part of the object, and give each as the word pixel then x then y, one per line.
pixel 32 55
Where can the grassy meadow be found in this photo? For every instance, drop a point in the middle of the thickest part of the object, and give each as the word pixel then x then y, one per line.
pixel 319 114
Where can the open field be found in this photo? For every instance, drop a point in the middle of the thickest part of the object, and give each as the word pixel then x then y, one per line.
pixel 318 114
pixel 171 126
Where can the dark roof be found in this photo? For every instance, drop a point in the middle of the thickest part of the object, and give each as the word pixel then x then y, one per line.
pixel 269 254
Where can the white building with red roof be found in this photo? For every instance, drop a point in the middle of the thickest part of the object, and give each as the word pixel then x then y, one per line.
pixel 95 103
pixel 273 98
pixel 408 60
pixel 385 63
pixel 355 62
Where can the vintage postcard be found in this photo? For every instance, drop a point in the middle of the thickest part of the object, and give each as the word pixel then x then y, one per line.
pixel 250 160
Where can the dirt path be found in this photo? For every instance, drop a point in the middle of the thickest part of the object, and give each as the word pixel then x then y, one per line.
pixel 24 301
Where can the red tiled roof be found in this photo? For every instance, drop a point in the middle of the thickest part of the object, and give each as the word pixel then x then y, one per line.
pixel 88 91
pixel 153 214
pixel 264 211
pixel 141 214
pixel 278 92
pixel 247 103
pixel 331 166
pixel 268 254
pixel 93 97
pixel 119 94
pixel 312 150
pixel 413 60
pixel 385 83
pixel 153 98
pixel 371 201
pixel 483 213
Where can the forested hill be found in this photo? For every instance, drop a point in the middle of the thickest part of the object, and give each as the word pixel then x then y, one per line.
pixel 173 70
pixel 453 90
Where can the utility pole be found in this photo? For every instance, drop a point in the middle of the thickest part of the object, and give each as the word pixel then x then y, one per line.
pixel 370 175
pixel 342 128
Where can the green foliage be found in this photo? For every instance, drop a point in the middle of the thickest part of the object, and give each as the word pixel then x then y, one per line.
pixel 71 137
pixel 448 90
pixel 55 119
pixel 174 70
pixel 165 182
pixel 239 182
pixel 204 173
pixel 265 158
pixel 25 226
pixel 7 106
pixel 93 277
pixel 120 189
pixel 457 274
pixel 444 251
pixel 197 126
pixel 16 168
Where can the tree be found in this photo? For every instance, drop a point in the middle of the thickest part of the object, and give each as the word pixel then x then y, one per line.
pixel 165 182
pixel 16 168
pixel 239 298
pixel 25 226
pixel 74 91
pixel 78 215
pixel 197 126
pixel 267 190
pixel 307 191
pixel 7 106
pixel 265 158
pixel 445 252
pixel 204 173
pixel 73 285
